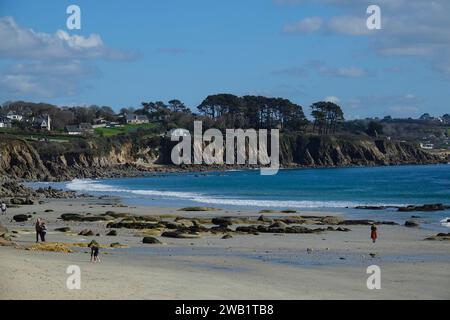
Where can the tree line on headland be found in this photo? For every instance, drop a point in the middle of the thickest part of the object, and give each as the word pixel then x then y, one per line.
pixel 220 111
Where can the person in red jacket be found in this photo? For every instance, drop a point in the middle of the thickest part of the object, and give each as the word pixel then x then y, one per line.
pixel 373 232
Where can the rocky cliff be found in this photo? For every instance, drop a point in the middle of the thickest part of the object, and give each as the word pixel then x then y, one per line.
pixel 331 151
pixel 52 161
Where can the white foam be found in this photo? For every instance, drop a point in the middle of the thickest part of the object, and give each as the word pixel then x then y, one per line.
pixel 88 185
pixel 445 223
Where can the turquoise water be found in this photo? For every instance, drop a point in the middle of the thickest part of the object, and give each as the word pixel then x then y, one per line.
pixel 337 189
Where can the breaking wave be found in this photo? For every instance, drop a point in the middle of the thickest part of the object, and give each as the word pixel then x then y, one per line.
pixel 89 186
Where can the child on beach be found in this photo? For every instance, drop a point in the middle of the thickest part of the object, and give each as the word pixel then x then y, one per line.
pixel 373 232
pixel 3 207
pixel 94 251
pixel 43 231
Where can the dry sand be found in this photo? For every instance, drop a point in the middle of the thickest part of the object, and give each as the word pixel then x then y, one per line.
pixel 265 266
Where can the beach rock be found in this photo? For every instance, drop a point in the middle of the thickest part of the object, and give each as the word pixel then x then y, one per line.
pixel 184 222
pixel 96 218
pixel 288 211
pixel 440 237
pixel 373 255
pixel 263 218
pixel 63 229
pixel 134 225
pixel 227 236
pixel 71 217
pixel 292 220
pixel 222 221
pixel 48 210
pixel 112 233
pixel 172 225
pixel 197 209
pixel 371 207
pixel 331 220
pixel 117 245
pixel 180 235
pixel 21 217
pixel 366 222
pixel 220 229
pixel 248 229
pixel 198 228
pixel 151 240
pixel 309 250
pixel 278 225
pixel 86 233
pixel 425 207
pixel 144 218
pixel 411 224
pixel 267 211
pixel 343 229
pixel 18 201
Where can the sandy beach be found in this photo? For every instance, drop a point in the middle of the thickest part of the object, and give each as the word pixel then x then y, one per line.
pixel 325 265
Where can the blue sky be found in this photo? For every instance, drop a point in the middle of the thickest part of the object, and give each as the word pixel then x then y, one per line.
pixel 132 51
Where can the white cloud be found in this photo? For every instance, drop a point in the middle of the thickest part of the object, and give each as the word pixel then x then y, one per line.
pixel 307 25
pixel 332 99
pixel 418 28
pixel 45 79
pixel 322 68
pixel 400 105
pixel 348 25
pixel 48 65
pixel 21 43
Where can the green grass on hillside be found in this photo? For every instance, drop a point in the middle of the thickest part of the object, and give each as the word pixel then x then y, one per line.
pixel 127 128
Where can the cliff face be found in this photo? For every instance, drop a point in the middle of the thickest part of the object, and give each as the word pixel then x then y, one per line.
pixel 332 151
pixel 50 161
pixel 44 161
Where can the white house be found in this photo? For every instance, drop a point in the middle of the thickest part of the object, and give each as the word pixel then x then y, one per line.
pixel 5 122
pixel 13 116
pixel 178 133
pixel 137 119
pixel 79 129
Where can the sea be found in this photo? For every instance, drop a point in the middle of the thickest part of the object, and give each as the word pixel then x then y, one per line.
pixel 335 190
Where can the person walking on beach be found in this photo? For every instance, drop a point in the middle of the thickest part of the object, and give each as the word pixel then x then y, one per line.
pixel 373 232
pixel 41 230
pixel 3 207
pixel 94 251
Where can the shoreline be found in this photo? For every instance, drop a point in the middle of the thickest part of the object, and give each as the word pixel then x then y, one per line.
pixel 173 169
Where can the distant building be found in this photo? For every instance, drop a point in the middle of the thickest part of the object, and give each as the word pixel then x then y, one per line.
pixel 5 122
pixel 178 133
pixel 427 146
pixel 42 123
pixel 137 119
pixel 14 116
pixel 79 129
